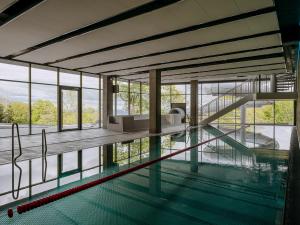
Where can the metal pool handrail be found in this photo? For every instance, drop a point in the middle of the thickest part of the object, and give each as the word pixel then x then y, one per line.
pixel 44 155
pixel 46 200
pixel 14 160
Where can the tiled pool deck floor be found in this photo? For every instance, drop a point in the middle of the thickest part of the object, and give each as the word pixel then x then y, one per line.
pixel 70 141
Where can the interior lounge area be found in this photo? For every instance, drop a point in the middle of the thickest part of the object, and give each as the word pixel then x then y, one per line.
pixel 149 112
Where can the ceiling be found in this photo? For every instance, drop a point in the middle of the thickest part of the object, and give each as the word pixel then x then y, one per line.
pixel 186 39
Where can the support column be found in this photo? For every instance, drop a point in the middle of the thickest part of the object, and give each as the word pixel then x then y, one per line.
pixel 273 83
pixel 194 151
pixel 194 103
pixel 107 100
pixel 107 156
pixel 155 101
pixel 155 169
pixel 243 122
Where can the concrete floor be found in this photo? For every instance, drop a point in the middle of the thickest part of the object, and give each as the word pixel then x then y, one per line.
pixel 70 141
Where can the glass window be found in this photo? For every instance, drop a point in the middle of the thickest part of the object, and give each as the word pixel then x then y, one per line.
pixel 90 81
pixel 16 72
pixel 135 87
pixel 14 107
pixel 145 104
pixel 178 98
pixel 225 87
pixel 135 103
pixel 90 108
pixel 145 88
pixel 44 108
pixel 210 88
pixel 165 90
pixel 45 75
pixel 69 78
pixel 122 103
pixel 284 112
pixel 165 104
pixel 264 112
pixel 177 89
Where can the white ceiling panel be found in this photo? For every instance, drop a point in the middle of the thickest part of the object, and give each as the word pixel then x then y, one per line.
pixel 209 71
pixel 4 4
pixel 219 77
pixel 259 42
pixel 198 61
pixel 266 22
pixel 204 73
pixel 55 17
pixel 231 71
pixel 227 65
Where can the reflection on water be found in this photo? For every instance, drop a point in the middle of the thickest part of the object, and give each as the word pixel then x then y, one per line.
pixel 218 173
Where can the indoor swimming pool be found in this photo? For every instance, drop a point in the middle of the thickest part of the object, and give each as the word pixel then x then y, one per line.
pixel 220 182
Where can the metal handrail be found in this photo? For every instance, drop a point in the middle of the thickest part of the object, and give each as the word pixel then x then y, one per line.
pixel 44 155
pixel 233 89
pixel 216 102
pixel 14 160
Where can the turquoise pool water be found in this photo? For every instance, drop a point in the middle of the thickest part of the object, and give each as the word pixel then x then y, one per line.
pixel 221 182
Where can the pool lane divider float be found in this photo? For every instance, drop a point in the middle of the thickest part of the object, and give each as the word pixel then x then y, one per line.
pixel 46 200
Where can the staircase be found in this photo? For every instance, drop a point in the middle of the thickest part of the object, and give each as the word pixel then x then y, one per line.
pixel 229 101
pixel 249 90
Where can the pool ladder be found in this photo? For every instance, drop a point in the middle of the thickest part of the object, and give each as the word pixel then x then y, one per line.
pixel 14 160
pixel 16 193
pixel 44 155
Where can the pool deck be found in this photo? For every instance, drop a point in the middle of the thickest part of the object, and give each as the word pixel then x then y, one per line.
pixel 71 141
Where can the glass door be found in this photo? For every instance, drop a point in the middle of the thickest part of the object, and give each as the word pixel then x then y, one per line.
pixel 69 108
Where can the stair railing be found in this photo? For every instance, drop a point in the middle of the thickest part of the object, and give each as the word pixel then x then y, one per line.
pixel 228 98
pixel 14 160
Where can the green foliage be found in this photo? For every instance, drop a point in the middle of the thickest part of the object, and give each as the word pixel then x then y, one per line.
pixel 2 113
pixel 89 115
pixel 17 112
pixel 284 111
pixel 44 113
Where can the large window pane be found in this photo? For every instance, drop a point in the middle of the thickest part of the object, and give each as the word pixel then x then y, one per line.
pixel 44 108
pixel 284 112
pixel 165 104
pixel 69 109
pixel 90 82
pixel 90 108
pixel 10 71
pixel 145 88
pixel 69 79
pixel 122 103
pixel 43 75
pixel 210 88
pixel 264 112
pixel 145 104
pixel 178 89
pixel 14 107
pixel 135 87
pixel 134 103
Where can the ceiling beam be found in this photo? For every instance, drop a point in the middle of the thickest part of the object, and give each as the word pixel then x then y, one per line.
pixel 204 71
pixel 173 33
pixel 145 8
pixel 219 62
pixel 195 58
pixel 192 75
pixel 185 48
pixel 17 9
